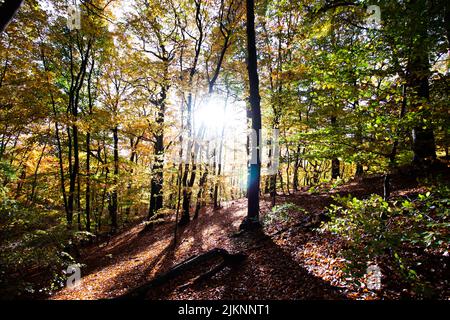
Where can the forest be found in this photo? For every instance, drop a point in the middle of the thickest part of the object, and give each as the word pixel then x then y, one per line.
pixel 224 149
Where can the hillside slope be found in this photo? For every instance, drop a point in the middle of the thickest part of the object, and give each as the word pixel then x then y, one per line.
pixel 286 260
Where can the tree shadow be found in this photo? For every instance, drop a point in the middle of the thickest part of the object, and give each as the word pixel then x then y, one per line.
pixel 196 234
pixel 269 272
pixel 135 278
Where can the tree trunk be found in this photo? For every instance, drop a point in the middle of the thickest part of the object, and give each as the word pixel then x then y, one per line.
pixel 296 167
pixel 8 9
pixel 33 187
pixel 252 219
pixel 156 196
pixel 335 163
pixel 113 200
pixel 219 165
pixel 201 191
pixel 58 143
pixel 288 166
pixel 187 192
pixel 72 179
pixel 88 182
pixel 187 185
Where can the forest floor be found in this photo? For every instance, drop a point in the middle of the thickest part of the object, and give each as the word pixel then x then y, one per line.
pixel 284 261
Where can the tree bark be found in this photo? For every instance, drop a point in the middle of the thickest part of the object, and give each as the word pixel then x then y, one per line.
pixel 252 219
pixel 33 187
pixel 187 184
pixel 423 142
pixel 335 163
pixel 113 198
pixel 8 9
pixel 296 167
pixel 156 196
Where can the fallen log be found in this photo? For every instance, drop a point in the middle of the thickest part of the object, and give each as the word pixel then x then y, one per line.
pixel 228 259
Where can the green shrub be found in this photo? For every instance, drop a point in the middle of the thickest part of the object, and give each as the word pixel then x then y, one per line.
pixel 281 213
pixel 32 249
pixel 374 228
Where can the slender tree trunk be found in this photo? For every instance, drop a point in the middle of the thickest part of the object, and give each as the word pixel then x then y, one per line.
pixel 72 179
pixel 187 185
pixel 61 174
pixel 280 175
pixel 156 197
pixel 296 167
pixel 33 187
pixel 187 192
pixel 335 163
pixel 387 177
pixel 58 144
pixel 267 184
pixel 88 152
pixel 288 167
pixel 219 163
pixel 201 191
pixel 88 181
pixel 113 208
pixel 76 170
pixel 180 175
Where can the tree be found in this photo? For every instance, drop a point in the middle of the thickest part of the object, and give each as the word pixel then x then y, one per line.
pixel 252 218
pixel 8 9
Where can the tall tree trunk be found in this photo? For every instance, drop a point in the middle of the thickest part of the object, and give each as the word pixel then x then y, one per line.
pixel 58 143
pixel 335 163
pixel 288 166
pixel 156 197
pixel 219 163
pixel 180 174
pixel 393 154
pixel 88 151
pixel 33 187
pixel 423 142
pixel 252 219
pixel 7 11
pixel 280 175
pixel 72 179
pixel 296 167
pixel 201 191
pixel 113 199
pixel 104 196
pixel 133 157
pixel 187 184
pixel 74 97
pixel 187 192
pixel 76 170
pixel 88 182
